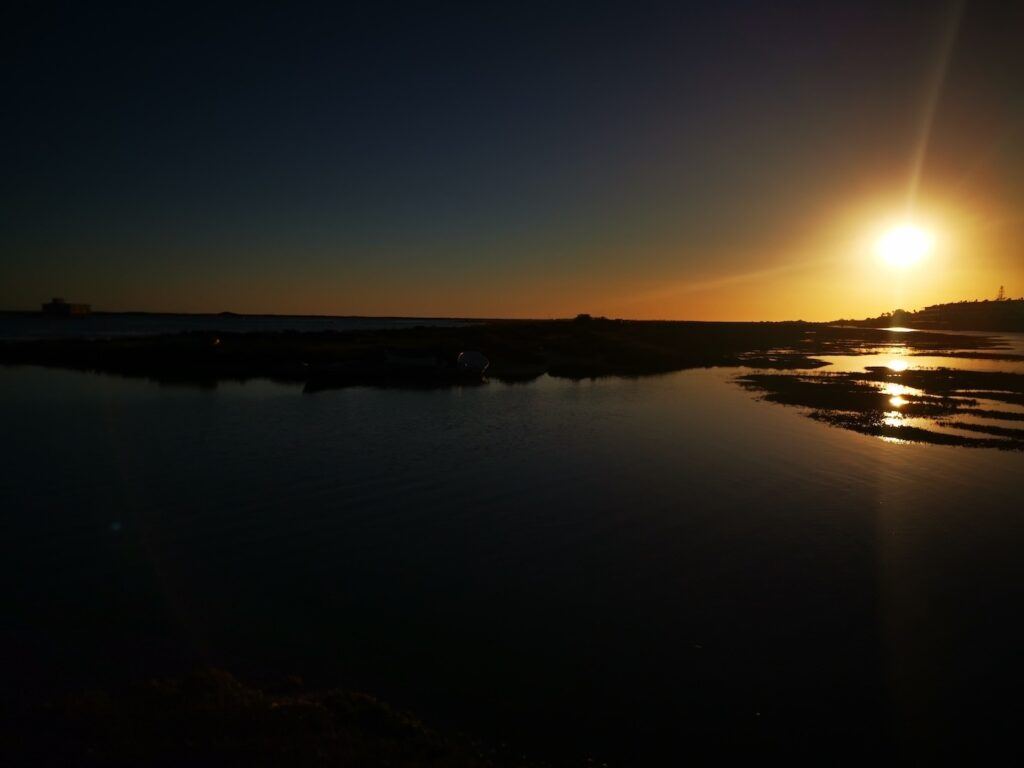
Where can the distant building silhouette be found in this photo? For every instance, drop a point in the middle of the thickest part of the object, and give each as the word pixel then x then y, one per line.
pixel 60 308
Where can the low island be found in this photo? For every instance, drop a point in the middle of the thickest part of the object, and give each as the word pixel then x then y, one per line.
pixel 427 355
pixel 785 363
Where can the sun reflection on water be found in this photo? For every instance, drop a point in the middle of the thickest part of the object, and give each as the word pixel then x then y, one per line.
pixel 892 388
pixel 969 396
pixel 892 419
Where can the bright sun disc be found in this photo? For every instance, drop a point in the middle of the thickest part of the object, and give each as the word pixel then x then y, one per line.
pixel 904 245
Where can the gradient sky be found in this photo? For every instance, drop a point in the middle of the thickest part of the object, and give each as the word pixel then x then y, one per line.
pixel 725 160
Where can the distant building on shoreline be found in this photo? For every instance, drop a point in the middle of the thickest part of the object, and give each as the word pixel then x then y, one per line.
pixel 60 308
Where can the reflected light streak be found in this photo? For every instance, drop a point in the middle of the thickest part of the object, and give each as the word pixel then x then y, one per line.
pixel 892 388
pixel 892 419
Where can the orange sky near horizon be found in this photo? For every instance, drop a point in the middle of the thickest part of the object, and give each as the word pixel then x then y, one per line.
pixel 833 272
pixel 709 163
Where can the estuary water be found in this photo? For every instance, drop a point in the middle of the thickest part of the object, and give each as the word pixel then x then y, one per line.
pixel 623 568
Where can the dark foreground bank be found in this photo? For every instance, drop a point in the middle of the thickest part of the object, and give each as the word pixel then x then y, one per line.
pixel 210 718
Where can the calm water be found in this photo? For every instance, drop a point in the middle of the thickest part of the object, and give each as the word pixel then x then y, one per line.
pixel 619 567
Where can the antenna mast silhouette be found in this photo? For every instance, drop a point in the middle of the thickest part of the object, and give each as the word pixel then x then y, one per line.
pixel 1002 294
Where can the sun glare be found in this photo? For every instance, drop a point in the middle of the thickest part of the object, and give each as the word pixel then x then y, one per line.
pixel 904 245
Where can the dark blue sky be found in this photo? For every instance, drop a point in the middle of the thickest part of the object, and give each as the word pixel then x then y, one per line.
pixel 471 159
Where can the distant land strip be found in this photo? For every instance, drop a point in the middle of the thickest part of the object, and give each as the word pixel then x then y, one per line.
pixel 427 356
pixel 985 315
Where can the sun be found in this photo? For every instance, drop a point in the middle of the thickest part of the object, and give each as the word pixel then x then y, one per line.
pixel 904 245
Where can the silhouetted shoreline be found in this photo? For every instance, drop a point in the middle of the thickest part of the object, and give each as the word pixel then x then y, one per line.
pixel 423 356
pixel 1001 315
